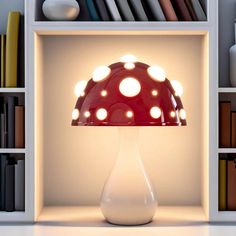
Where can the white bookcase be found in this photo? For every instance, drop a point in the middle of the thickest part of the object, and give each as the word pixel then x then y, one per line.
pixel 50 193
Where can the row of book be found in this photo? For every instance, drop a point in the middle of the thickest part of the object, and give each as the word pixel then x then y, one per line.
pixel 12 183
pixel 142 10
pixel 12 52
pixel 227 125
pixel 12 123
pixel 227 177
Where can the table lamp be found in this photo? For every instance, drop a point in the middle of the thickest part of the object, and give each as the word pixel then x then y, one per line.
pixel 128 94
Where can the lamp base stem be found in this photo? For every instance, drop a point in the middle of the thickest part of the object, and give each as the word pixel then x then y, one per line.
pixel 128 197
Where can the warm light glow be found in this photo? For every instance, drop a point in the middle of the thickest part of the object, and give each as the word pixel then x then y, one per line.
pixel 80 87
pixel 182 114
pixel 177 86
pixel 157 73
pixel 128 58
pixel 104 93
pixel 87 114
pixel 101 73
pixel 155 112
pixel 101 114
pixel 129 114
pixel 172 114
pixel 154 92
pixel 129 66
pixel 130 87
pixel 75 114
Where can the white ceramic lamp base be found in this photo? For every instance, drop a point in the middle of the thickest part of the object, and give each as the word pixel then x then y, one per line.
pixel 128 197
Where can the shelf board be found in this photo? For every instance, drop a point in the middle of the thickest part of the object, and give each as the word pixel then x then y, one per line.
pixel 226 150
pixel 12 150
pixel 15 216
pixel 12 90
pixel 160 28
pixel 227 90
pixel 92 216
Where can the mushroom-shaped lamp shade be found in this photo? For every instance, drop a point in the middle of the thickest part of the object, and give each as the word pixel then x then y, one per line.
pixel 128 93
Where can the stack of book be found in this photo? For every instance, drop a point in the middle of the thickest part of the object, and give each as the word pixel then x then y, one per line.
pixel 12 183
pixel 12 124
pixel 12 52
pixel 142 10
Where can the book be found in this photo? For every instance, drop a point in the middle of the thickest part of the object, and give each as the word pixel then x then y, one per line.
pixel 3 59
pixel 125 10
pixel 11 102
pixel 224 124
pixel 114 12
pixel 204 5
pixel 191 10
pixel 19 127
pixel 1 112
pixel 231 186
pixel 147 10
pixel 84 12
pixel 10 185
pixel 92 10
pixel 233 129
pixel 168 10
pixel 20 185
pixel 3 163
pixel 102 10
pixel 156 9
pixel 138 10
pixel 12 48
pixel 3 117
pixel 181 10
pixel 198 10
pixel 222 184
pixel 21 54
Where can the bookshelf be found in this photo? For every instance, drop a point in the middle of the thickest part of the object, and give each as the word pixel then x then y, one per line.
pixel 42 205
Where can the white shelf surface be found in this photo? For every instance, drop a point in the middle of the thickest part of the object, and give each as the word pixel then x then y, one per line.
pixel 92 216
pixel 77 28
pixel 227 150
pixel 227 90
pixel 12 90
pixel 15 216
pixel 12 150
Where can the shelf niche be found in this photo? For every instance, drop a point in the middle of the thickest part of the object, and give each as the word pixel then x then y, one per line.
pixel 74 162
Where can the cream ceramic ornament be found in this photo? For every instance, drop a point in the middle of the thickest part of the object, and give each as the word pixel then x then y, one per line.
pixel 61 10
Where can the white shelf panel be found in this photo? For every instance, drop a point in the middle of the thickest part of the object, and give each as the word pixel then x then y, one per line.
pixel 15 216
pixel 160 28
pixel 227 90
pixel 226 150
pixel 92 216
pixel 12 90
pixel 12 150
pixel 225 216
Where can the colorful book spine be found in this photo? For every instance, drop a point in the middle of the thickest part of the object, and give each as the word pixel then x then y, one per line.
pixel 233 129
pixel 224 124
pixel 102 10
pixel 231 186
pixel 84 12
pixel 181 10
pixel 12 48
pixel 92 10
pixel 222 184
pixel 156 9
pixel 168 10
pixel 3 60
pixel 191 10
pixel 19 127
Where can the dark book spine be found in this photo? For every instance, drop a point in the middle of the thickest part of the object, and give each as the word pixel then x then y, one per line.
pixel 84 13
pixel 231 187
pixel 19 127
pixel 102 10
pixel 20 185
pixel 3 163
pixel 233 129
pixel 10 186
pixel 224 124
pixel 222 184
pixel 21 54
pixel 181 10
pixel 12 101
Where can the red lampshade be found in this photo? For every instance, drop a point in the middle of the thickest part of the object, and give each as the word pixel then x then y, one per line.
pixel 129 93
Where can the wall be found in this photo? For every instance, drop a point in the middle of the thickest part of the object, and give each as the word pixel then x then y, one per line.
pixel 5 7
pixel 77 160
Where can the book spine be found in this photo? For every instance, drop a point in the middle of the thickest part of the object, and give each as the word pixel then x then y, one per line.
pixel 21 54
pixel 3 163
pixel 3 60
pixel 222 185
pixel 224 124
pixel 198 10
pixel 10 186
pixel 20 185
pixel 231 188
pixel 4 127
pixel 92 10
pixel 233 129
pixel 19 127
pixel 181 10
pixel 12 101
pixel 168 10
pixel 12 48
pixel 102 10
pixel 191 10
pixel 114 12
